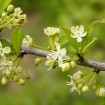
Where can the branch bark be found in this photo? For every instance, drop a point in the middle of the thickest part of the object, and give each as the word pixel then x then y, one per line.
pixel 98 66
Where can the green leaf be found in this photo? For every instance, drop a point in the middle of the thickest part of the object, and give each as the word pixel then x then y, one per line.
pixel 4 4
pixel 6 43
pixel 71 40
pixel 17 38
pixel 62 40
pixel 88 37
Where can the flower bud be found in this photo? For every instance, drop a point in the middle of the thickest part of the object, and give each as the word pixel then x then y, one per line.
pixel 85 88
pixel 80 85
pixel 73 63
pixel 77 76
pixel 49 62
pixel 21 81
pixel 4 81
pixel 27 76
pixel 37 61
pixel 10 8
pixel 65 67
pixel 15 78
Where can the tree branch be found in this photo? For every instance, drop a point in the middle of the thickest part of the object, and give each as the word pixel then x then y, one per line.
pixel 98 66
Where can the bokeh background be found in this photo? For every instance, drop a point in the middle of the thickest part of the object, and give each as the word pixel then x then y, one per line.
pixel 49 87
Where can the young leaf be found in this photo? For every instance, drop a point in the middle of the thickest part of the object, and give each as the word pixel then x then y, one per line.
pixel 71 40
pixel 88 37
pixel 62 40
pixel 4 4
pixel 17 38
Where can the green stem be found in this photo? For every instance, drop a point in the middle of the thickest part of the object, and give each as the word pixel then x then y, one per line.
pixel 4 25
pixel 94 39
pixel 91 79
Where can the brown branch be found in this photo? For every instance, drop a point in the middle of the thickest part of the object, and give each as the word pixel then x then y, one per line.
pixel 99 66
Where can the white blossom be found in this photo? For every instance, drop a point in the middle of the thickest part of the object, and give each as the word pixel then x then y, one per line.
pixel 60 53
pixel 56 56
pixel 4 50
pixel 27 40
pixel 17 11
pixel 73 84
pixel 78 32
pixel 51 31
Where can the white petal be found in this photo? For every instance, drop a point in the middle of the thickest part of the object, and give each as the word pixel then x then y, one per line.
pixel 60 61
pixel 6 50
pixel 72 29
pixel 84 34
pixel 58 47
pixel 73 36
pixel 63 51
pixel 79 39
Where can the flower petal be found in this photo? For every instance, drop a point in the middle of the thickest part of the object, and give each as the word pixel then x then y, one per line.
pixel 6 50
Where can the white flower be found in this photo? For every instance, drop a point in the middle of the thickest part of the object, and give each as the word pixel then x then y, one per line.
pixel 27 40
pixel 60 54
pixel 21 17
pixel 78 32
pixel 4 50
pixel 50 60
pixel 51 31
pixel 73 84
pixel 17 11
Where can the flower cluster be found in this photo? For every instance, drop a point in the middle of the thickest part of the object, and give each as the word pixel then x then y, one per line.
pixel 12 17
pixel 7 67
pixel 79 81
pixel 51 31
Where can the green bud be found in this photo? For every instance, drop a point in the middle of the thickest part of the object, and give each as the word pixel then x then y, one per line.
pixel 15 78
pixel 73 63
pixel 49 62
pixel 80 85
pixel 10 8
pixel 37 61
pixel 21 81
pixel 85 88
pixel 4 81
pixel 27 76
pixel 65 67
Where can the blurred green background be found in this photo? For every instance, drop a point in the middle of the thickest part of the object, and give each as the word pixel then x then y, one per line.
pixel 49 87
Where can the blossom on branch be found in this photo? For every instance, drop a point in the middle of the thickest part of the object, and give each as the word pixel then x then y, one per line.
pixel 56 56
pixel 78 32
pixel 51 31
pixel 73 84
